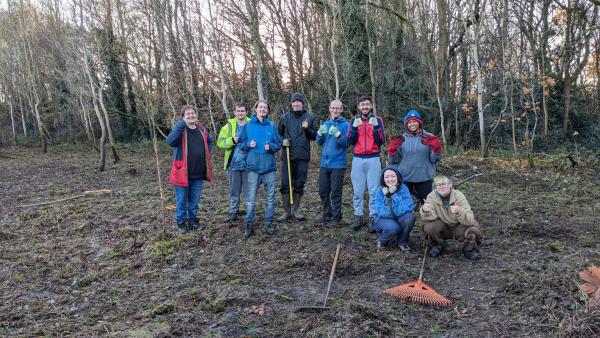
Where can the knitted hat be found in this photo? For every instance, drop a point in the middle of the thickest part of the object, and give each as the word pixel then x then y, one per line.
pixel 413 115
pixel 297 97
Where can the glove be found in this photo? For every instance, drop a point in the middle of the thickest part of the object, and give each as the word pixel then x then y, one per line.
pixel 434 142
pixel 357 122
pixel 285 143
pixel 322 130
pixel 333 130
pixel 387 191
pixel 395 143
pixel 393 189
pixel 373 121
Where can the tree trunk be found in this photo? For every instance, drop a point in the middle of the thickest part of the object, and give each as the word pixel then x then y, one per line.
pixel 253 19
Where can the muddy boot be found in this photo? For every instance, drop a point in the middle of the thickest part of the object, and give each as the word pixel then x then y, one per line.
pixel 196 225
pixel 182 228
pixel 286 208
pixel 372 224
pixel 270 229
pixel 297 215
pixel 357 223
pixel 435 251
pixel 323 220
pixel 471 254
pixel 248 231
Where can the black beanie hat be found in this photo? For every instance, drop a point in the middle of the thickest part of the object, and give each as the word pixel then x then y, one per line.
pixel 297 97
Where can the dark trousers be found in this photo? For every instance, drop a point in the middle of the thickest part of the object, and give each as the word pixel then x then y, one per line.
pixel 331 182
pixel 299 172
pixel 420 190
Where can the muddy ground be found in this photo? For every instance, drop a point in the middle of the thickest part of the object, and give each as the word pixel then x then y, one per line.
pixel 113 265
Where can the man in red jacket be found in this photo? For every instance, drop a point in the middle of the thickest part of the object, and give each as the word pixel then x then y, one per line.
pixel 366 134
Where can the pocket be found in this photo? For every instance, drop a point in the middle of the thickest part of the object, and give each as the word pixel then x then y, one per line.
pixel 179 175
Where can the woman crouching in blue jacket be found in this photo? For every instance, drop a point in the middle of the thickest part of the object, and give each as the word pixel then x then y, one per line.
pixel 393 210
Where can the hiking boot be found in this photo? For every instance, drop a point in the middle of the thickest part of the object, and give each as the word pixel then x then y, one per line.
pixel 182 228
pixel 287 214
pixel 270 229
pixel 297 215
pixel 248 231
pixel 231 218
pixel 357 223
pixel 323 220
pixel 435 251
pixel 336 222
pixel 404 247
pixel 371 224
pixel 196 225
pixel 471 254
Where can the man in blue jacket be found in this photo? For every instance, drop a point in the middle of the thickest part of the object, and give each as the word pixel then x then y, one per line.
pixel 261 141
pixel 332 136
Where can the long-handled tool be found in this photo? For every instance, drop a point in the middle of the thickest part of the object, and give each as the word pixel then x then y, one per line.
pixel 468 179
pixel 289 173
pixel 85 194
pixel 418 291
pixel 325 307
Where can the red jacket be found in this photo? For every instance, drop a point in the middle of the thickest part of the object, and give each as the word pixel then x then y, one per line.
pixel 365 138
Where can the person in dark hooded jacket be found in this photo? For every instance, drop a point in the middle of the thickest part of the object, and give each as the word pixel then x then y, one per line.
pixel 393 210
pixel 297 128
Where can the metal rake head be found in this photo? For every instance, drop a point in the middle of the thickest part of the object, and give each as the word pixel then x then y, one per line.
pixel 418 292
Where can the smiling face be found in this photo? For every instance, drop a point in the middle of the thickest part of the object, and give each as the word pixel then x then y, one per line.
pixel 297 105
pixel 413 126
pixel 240 113
pixel 335 109
pixel 261 110
pixel 443 187
pixel 364 107
pixel 390 178
pixel 189 116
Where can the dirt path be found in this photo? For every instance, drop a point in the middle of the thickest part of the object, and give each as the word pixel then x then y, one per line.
pixel 113 266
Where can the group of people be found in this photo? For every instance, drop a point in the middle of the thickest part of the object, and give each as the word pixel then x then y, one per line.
pixel 251 142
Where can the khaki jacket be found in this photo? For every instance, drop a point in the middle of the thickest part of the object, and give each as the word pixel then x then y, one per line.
pixel 465 215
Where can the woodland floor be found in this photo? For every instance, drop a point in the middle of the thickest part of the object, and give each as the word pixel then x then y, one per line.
pixel 112 265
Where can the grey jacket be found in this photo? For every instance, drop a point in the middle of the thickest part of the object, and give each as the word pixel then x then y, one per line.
pixel 416 161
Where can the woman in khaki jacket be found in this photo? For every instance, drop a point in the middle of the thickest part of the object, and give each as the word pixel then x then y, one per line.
pixel 448 215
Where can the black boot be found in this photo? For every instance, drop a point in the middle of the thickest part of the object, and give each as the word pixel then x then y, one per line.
pixel 471 254
pixel 372 224
pixel 182 228
pixel 248 231
pixel 323 220
pixel 286 208
pixel 435 251
pixel 297 215
pixel 357 223
pixel 270 229
pixel 196 225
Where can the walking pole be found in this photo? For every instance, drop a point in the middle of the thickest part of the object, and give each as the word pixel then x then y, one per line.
pixel 289 173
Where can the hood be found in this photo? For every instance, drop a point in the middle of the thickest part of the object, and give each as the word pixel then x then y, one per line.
pixel 400 179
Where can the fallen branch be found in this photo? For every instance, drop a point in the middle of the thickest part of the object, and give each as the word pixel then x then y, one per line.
pixel 85 194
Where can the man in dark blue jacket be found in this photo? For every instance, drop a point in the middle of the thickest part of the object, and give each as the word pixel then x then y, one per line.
pixel 297 128
pixel 332 135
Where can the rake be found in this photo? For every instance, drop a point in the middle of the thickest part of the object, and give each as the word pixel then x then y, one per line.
pixel 418 291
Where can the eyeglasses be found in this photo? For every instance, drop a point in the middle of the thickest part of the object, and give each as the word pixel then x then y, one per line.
pixel 443 184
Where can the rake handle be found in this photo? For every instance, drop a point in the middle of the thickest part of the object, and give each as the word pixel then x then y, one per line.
pixel 423 263
pixel 337 253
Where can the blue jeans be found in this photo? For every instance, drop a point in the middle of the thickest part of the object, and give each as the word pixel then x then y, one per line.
pixel 187 200
pixel 253 183
pixel 237 182
pixel 390 227
pixel 365 171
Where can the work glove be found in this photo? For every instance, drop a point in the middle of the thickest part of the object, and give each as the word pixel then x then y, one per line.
pixel 388 191
pixel 322 130
pixel 434 142
pixel 357 122
pixel 286 142
pixel 373 121
pixel 333 130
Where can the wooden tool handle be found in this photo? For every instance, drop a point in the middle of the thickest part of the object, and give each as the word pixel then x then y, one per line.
pixel 337 253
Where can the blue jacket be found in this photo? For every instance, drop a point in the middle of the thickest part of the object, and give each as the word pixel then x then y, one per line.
pixel 174 139
pixel 258 159
pixel 333 155
pixel 398 204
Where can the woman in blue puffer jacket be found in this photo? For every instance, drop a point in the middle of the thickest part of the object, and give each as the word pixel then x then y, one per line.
pixel 393 210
